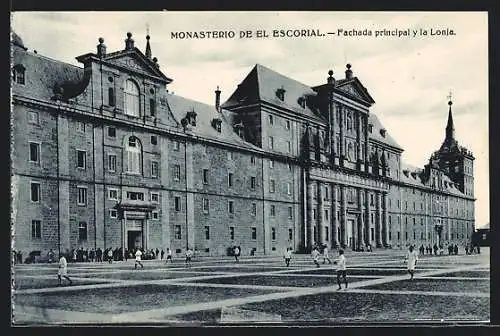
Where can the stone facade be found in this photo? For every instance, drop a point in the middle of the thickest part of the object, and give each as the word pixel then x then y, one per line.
pixel 104 156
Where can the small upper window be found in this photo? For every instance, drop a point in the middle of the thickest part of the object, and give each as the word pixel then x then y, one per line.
pixel 280 93
pixel 33 117
pixel 80 126
pixel 154 140
pixel 111 132
pixel 18 73
pixel 271 120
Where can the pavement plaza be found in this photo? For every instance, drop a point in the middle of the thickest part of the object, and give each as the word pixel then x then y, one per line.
pixel 256 290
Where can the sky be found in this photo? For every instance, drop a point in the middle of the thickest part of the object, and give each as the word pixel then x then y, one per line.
pixel 409 77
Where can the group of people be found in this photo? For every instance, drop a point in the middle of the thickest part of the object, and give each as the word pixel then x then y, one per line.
pixel 340 261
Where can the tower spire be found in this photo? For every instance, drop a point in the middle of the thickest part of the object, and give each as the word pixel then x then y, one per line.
pixel 450 128
pixel 148 47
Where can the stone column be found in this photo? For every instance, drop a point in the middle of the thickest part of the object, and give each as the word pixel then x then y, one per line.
pixel 385 228
pixel 358 139
pixel 367 218
pixel 310 219
pixel 335 220
pixel 361 219
pixel 343 215
pixel 378 220
pixel 341 138
pixel 365 120
pixel 319 214
pixel 333 144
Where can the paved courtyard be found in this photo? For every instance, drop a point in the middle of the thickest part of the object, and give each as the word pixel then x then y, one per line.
pixel 257 290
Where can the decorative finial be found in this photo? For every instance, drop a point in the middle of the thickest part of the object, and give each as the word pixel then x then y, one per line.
pixel 348 66
pixel 330 73
pixel 129 42
pixel 348 72
pixel 101 48
pixel 449 99
pixel 129 34
pixel 330 79
pixel 101 40
pixel 155 59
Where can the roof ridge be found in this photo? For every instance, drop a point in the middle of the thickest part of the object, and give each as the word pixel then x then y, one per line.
pixel 37 55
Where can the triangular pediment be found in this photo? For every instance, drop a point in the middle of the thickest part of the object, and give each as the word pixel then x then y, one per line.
pixel 356 90
pixel 135 60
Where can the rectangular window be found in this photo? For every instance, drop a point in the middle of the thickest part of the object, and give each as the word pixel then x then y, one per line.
pixel 272 211
pixel 406 205
pixel 271 163
pixel 230 179
pixel 154 140
pixel 207 232
pixel 271 186
pixel 113 194
pixel 206 205
pixel 271 120
pixel 36 229
pixel 82 195
pixel 111 97
pixel 113 213
pixel 176 145
pixel 287 124
pixel 82 231
pixel 326 214
pixel 271 142
pixel 406 235
pixel 230 207
pixel 252 160
pixel 399 235
pixel 135 196
pixel 81 159
pixel 80 126
pixel 254 209
pixel 205 176
pixel 390 235
pixel 33 117
pixel 35 192
pixel 372 234
pixel 371 199
pixel 288 146
pixel 111 132
pixel 327 194
pixel 155 197
pixel 34 152
pixel 178 232
pixel 252 182
pixel 152 107
pixel 111 162
pixel 290 213
pixel 155 215
pixel 327 234
pixel 290 234
pixel 254 233
pixel 154 169
pixel 177 172
pixel 288 188
pixel 314 213
pixel 273 233
pixel 230 155
pixel 231 232
pixel 177 203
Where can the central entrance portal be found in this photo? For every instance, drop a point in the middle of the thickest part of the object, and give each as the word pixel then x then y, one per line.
pixel 135 234
pixel 349 233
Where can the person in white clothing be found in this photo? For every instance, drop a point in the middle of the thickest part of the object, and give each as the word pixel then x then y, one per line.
pixel 342 269
pixel 411 260
pixel 288 256
pixel 315 256
pixel 138 255
pixel 189 255
pixel 325 255
pixel 63 270
pixel 169 255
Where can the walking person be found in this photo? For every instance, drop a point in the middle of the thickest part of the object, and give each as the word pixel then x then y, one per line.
pixel 138 255
pixel 315 256
pixel 325 255
pixel 288 256
pixel 162 254
pixel 63 270
pixel 169 255
pixel 342 269
pixel 110 255
pixel 236 253
pixel 189 255
pixel 411 260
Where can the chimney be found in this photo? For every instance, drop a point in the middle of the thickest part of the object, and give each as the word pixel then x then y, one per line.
pixel 348 72
pixel 217 98
pixel 129 42
pixel 101 48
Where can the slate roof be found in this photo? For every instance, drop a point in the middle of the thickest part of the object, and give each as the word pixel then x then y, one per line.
pixel 376 134
pixel 205 113
pixel 43 73
pixel 413 178
pixel 262 83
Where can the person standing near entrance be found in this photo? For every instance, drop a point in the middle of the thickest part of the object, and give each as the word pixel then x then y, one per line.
pixel 315 256
pixel 325 255
pixel 342 269
pixel 189 255
pixel 169 255
pixel 236 252
pixel 63 270
pixel 288 256
pixel 138 255
pixel 411 260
